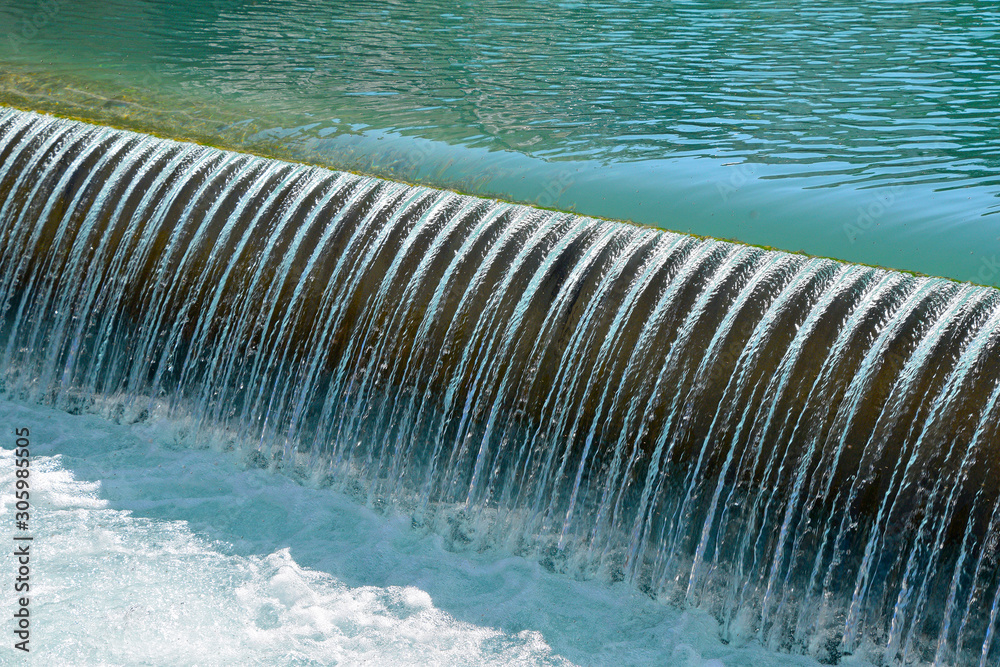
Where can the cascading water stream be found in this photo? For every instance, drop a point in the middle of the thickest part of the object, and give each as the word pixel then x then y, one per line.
pixel 803 447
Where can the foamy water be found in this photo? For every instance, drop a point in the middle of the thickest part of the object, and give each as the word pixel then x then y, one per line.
pixel 150 551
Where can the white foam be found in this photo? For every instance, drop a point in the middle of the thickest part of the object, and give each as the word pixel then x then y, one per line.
pixel 147 553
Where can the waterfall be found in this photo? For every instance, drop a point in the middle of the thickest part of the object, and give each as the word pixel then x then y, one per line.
pixel 806 448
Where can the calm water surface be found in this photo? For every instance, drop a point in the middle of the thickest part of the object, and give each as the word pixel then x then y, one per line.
pixel 867 131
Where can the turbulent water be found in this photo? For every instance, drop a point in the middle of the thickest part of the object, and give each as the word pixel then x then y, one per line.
pixel 118 585
pixel 151 549
pixel 803 448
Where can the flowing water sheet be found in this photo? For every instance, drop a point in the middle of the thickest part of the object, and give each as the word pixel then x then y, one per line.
pixel 802 448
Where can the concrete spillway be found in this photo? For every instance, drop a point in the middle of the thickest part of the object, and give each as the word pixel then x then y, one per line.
pixel 806 448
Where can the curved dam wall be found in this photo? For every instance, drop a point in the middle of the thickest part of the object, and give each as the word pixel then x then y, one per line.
pixel 804 447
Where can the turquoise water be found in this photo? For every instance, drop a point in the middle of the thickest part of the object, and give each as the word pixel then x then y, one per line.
pixel 153 548
pixel 865 131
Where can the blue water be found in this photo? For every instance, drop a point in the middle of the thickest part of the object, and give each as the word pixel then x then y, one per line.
pixel 865 131
pixel 153 547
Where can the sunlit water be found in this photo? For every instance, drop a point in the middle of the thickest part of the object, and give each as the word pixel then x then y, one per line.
pixel 865 131
pixel 150 548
